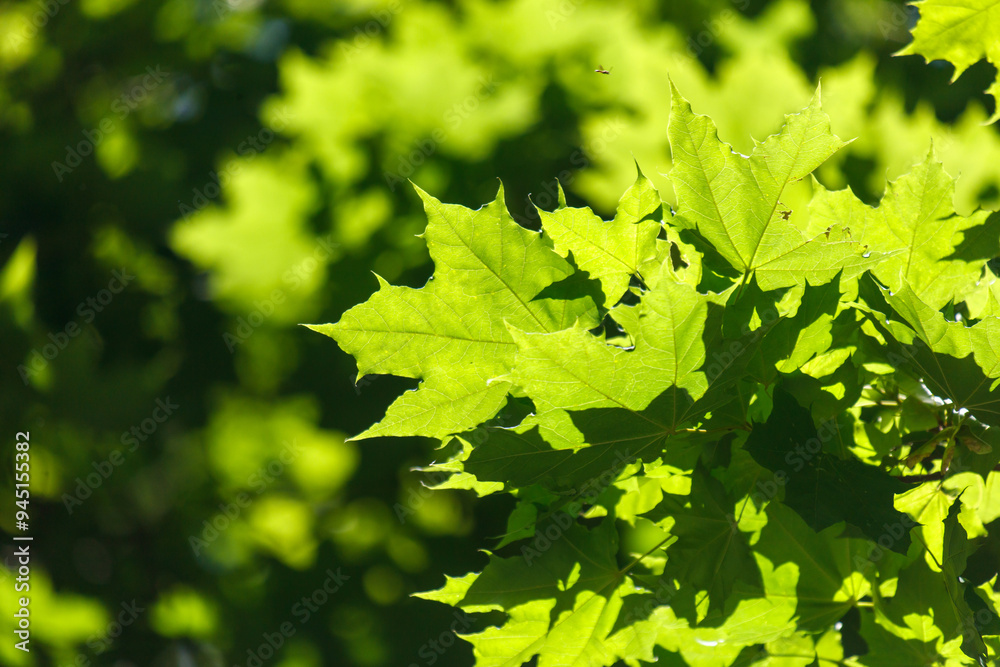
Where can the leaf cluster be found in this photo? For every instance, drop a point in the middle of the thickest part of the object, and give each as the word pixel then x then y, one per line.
pixel 736 433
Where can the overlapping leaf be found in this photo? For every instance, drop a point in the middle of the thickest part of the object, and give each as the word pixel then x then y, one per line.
pixel 832 569
pixel 612 252
pixel 755 537
pixel 561 606
pixel 956 362
pixel 452 333
pixel 734 201
pixel 573 370
pixel 960 31
pixel 930 600
pixel 938 254
pixel 711 554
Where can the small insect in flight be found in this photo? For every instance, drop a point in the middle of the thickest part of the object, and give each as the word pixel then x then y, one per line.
pixel 600 70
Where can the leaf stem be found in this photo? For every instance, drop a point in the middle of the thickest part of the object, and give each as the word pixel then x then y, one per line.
pixel 639 559
pixel 746 279
pixel 929 477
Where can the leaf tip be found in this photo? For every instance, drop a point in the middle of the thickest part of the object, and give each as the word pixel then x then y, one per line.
pixel 931 155
pixel 638 169
pixel 325 329
pixel 428 199
pixel 499 203
pixel 676 99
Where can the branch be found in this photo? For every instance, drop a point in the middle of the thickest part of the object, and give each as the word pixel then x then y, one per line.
pixel 930 477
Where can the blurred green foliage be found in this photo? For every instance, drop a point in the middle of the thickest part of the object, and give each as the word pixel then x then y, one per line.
pixel 243 165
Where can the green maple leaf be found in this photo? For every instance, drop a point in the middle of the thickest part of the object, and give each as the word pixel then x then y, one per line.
pixel 733 201
pixel 647 403
pixel 956 362
pixel 939 254
pixel 521 458
pixel 828 584
pixel 930 602
pixel 612 252
pixel 887 649
pixel 629 369
pixel 573 370
pixel 959 31
pixel 452 333
pixel 711 554
pixel 561 605
pixel 613 438
pixel 783 342
pixel 646 621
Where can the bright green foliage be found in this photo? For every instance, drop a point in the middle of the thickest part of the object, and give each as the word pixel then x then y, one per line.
pixel 940 255
pixel 453 333
pixel 734 201
pixel 611 253
pixel 732 441
pixel 960 31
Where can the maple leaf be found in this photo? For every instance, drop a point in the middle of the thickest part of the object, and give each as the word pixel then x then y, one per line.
pixel 937 253
pixel 560 606
pixel 959 31
pixel 612 252
pixel 646 382
pixel 452 333
pixel 956 362
pixel 732 200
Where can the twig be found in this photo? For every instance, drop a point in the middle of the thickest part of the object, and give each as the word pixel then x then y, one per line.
pixel 930 477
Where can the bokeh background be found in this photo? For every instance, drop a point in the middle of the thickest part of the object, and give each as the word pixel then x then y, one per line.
pixel 183 182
